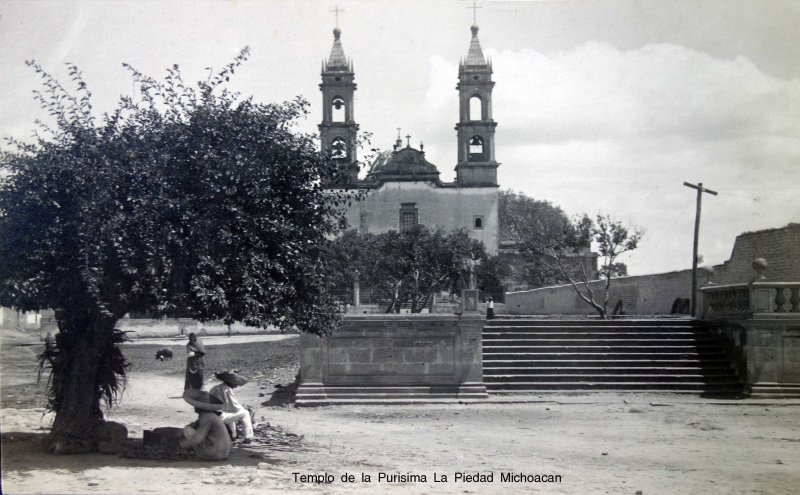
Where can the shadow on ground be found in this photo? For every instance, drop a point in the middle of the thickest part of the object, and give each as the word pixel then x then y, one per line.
pixel 19 450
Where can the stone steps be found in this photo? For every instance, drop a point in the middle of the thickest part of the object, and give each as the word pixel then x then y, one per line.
pixel 537 355
pixel 317 394
pixel 549 371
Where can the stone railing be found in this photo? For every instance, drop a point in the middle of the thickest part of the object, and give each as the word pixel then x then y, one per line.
pixel 748 299
pixel 760 322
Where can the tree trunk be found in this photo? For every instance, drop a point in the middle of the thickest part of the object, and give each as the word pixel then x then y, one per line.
pixel 75 385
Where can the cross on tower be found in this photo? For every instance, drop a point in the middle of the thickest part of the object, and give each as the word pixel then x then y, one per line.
pixel 336 11
pixel 474 8
pixel 408 140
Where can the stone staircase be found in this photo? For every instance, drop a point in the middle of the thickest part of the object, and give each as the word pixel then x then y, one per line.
pixel 524 355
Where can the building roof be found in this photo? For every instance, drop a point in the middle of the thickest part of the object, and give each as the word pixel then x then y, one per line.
pixel 402 164
pixel 475 55
pixel 337 60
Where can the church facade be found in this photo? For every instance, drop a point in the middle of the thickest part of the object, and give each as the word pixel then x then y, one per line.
pixel 403 188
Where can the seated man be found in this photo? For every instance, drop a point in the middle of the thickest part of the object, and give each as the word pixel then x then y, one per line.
pixel 233 412
pixel 208 436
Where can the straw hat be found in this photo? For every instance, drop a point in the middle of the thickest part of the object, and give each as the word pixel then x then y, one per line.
pixel 202 400
pixel 231 378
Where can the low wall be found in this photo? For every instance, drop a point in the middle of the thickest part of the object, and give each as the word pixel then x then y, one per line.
pixel 139 328
pixel 395 357
pixel 642 295
pixel 654 294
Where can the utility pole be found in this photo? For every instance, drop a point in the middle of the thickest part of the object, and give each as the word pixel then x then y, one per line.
pixel 700 191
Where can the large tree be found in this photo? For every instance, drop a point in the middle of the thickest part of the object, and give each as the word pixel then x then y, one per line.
pixel 185 198
pixel 533 226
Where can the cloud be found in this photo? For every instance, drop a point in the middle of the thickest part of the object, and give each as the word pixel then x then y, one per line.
pixel 597 129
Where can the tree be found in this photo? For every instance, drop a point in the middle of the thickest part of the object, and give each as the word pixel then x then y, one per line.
pixel 186 199
pixel 611 239
pixel 533 226
pixel 556 249
pixel 409 267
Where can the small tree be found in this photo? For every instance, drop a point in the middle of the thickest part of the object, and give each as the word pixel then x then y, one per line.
pixel 185 200
pixel 611 239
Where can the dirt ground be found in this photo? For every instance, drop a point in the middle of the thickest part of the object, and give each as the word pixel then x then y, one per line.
pixel 599 443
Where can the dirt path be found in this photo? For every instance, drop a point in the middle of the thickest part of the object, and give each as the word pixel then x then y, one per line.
pixel 614 444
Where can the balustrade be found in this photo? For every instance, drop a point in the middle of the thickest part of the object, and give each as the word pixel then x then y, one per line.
pixel 755 297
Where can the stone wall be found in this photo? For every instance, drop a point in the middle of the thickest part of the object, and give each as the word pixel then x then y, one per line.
pixel 655 294
pixel 780 247
pixel 641 295
pixel 138 328
pixel 406 356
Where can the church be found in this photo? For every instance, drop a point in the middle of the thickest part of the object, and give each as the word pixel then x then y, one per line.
pixel 402 188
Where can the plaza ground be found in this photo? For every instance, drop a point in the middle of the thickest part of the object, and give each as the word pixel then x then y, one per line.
pixel 599 443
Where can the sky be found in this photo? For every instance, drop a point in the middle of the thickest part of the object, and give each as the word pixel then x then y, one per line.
pixel 603 106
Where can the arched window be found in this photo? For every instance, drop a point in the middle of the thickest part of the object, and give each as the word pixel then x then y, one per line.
pixel 478 223
pixel 338 109
pixel 476 149
pixel 339 148
pixel 475 108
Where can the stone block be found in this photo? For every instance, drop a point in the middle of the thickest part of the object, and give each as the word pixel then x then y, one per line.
pixel 167 438
pixel 420 351
pixel 111 437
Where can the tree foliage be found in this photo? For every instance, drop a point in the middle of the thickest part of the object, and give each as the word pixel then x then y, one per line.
pixel 533 226
pixel 557 248
pixel 407 268
pixel 185 199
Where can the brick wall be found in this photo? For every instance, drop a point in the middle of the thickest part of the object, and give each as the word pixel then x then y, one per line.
pixel 780 247
pixel 655 294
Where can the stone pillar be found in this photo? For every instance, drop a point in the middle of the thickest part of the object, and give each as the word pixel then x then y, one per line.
pixel 357 294
pixel 469 301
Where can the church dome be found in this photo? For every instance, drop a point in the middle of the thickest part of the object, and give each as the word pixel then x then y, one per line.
pixel 402 164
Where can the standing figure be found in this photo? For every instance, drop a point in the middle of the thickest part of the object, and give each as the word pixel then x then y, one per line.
pixel 46 357
pixel 207 436
pixel 490 309
pixel 195 365
pixel 233 412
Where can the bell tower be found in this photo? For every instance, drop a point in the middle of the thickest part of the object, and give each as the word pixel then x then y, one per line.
pixel 338 128
pixel 475 128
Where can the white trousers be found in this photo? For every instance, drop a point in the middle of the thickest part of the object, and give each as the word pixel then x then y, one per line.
pixel 241 416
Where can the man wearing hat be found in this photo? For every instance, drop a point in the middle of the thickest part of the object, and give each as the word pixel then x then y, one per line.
pixel 233 412
pixel 208 436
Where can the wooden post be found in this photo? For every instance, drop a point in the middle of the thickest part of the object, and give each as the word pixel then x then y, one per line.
pixel 700 191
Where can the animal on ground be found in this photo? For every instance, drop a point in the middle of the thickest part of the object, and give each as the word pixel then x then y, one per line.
pixel 164 354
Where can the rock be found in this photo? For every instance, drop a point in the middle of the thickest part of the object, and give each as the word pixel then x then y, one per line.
pixel 111 437
pixel 93 483
pixel 605 453
pixel 162 437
